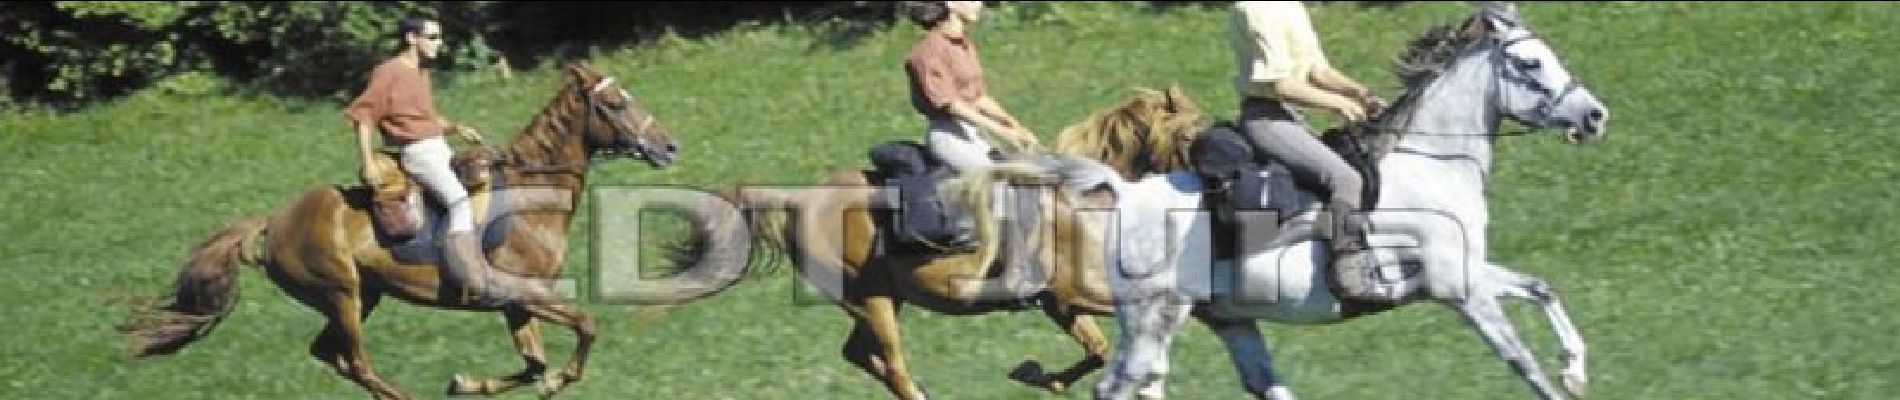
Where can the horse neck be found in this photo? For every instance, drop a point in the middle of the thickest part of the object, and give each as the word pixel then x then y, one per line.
pixel 1453 116
pixel 552 149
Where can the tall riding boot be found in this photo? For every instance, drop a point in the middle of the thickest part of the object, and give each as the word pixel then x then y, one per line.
pixel 1353 262
pixel 466 273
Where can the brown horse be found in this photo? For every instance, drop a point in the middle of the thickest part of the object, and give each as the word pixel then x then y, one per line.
pixel 1054 260
pixel 323 249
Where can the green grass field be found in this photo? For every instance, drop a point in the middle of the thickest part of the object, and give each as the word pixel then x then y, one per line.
pixel 1730 239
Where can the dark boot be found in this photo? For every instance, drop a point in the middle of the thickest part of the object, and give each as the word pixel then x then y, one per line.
pixel 466 275
pixel 1353 263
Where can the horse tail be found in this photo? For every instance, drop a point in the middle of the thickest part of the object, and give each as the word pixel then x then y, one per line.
pixel 976 189
pixel 202 294
pixel 768 226
pixel 772 228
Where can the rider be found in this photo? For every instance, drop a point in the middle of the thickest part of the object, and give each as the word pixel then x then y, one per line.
pixel 397 102
pixel 964 125
pixel 1281 63
pixel 948 88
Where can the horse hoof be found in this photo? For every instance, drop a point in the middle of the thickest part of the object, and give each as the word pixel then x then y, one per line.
pixel 1029 372
pixel 552 385
pixel 1576 383
pixel 459 385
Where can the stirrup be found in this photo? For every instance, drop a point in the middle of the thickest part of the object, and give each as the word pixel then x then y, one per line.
pixel 1363 275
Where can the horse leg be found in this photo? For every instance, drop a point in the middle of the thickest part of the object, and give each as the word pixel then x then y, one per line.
pixel 880 314
pixel 1575 375
pixel 1485 314
pixel 861 350
pixel 551 308
pixel 1148 325
pixel 528 342
pixel 1251 357
pixel 1081 328
pixel 343 336
pixel 329 345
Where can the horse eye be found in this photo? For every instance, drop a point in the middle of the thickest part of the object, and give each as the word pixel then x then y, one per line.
pixel 1531 64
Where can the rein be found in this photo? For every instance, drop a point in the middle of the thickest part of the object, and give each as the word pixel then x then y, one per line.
pixel 594 108
pixel 1497 94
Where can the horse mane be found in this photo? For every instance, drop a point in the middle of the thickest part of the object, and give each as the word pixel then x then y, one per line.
pixel 1425 59
pixel 545 137
pixel 1147 133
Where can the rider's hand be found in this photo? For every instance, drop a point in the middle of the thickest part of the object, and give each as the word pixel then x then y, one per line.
pixel 1374 104
pixel 1351 114
pixel 1026 140
pixel 469 134
pixel 370 175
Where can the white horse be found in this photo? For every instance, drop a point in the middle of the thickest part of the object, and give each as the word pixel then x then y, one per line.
pixel 1486 69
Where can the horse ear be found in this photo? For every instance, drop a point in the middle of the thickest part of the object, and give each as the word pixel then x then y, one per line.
pixel 1178 100
pixel 580 71
pixel 1492 17
pixel 1477 26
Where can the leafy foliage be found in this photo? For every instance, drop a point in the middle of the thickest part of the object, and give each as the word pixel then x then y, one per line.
pixel 71 52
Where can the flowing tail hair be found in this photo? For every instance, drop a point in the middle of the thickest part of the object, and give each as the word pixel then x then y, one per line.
pixel 976 189
pixel 768 229
pixel 202 294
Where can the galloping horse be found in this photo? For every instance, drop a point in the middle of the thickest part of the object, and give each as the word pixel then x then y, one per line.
pixel 323 250
pixel 1051 260
pixel 1435 157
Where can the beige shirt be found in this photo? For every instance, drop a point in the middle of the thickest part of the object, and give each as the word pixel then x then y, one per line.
pixel 1272 40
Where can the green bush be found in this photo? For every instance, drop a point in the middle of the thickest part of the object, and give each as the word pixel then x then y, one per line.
pixel 71 53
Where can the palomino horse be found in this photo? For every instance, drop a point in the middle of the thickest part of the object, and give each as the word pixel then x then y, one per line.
pixel 323 250
pixel 1460 82
pixel 1051 260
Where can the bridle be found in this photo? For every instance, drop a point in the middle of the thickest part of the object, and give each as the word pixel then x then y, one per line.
pixel 1543 108
pixel 628 140
pixel 632 144
pixel 1500 62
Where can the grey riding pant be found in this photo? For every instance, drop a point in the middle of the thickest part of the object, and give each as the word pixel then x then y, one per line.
pixel 1281 133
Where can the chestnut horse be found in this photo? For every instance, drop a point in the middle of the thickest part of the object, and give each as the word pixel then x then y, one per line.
pixel 324 250
pixel 1052 259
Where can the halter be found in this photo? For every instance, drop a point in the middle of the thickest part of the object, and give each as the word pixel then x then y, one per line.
pixel 1499 63
pixel 1543 107
pixel 631 144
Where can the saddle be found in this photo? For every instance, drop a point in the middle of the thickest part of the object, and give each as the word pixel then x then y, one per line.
pixel 922 222
pixel 1239 178
pixel 398 200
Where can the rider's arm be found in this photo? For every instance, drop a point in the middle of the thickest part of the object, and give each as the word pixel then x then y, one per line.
pixel 995 110
pixel 1300 92
pixel 365 142
pixel 970 113
pixel 365 114
pixel 1331 79
pixel 929 71
pixel 1296 73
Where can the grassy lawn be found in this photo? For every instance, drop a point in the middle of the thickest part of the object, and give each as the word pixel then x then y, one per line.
pixel 1728 240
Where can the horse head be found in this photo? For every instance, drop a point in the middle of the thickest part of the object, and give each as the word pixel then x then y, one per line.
pixel 615 123
pixel 1534 87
